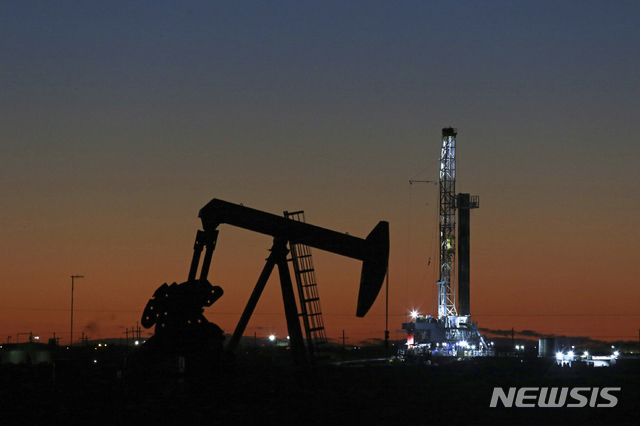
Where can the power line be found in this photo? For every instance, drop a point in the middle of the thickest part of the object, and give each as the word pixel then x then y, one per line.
pixel 328 314
pixel 556 315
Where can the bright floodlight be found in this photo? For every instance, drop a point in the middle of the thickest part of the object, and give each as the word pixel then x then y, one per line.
pixel 414 314
pixel 272 337
pixel 616 353
pixel 570 353
pixel 586 353
pixel 559 355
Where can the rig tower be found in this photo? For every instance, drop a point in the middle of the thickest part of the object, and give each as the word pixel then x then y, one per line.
pixel 446 293
pixel 451 333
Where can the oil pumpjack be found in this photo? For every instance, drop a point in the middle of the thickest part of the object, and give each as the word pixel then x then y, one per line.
pixel 177 310
pixel 451 333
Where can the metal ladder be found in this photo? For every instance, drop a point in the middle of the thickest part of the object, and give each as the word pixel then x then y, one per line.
pixel 310 310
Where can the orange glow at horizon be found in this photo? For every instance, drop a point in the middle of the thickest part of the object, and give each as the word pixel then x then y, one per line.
pixel 120 122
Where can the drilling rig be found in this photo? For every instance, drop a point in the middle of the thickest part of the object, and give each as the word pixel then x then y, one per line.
pixel 451 332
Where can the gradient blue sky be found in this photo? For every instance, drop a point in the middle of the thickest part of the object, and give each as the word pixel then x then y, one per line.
pixel 120 120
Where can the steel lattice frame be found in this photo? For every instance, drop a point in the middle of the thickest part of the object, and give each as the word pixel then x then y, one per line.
pixel 446 283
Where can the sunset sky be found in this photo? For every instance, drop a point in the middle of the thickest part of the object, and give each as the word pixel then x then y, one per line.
pixel 120 120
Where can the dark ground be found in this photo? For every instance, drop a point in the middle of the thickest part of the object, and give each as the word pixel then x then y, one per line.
pixel 263 388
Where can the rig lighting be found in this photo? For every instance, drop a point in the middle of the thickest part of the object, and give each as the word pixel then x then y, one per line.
pixel 414 314
pixel 559 355
pixel 272 337
pixel 570 353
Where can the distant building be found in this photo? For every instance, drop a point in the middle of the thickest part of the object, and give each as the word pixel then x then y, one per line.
pixel 26 353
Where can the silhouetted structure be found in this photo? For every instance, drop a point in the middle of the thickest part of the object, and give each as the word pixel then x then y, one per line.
pixel 465 203
pixel 177 310
pixel 310 310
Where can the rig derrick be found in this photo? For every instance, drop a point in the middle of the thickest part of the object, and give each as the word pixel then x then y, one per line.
pixel 451 332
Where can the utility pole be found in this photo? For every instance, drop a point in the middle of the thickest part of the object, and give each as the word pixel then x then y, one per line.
pixel 386 316
pixel 73 277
